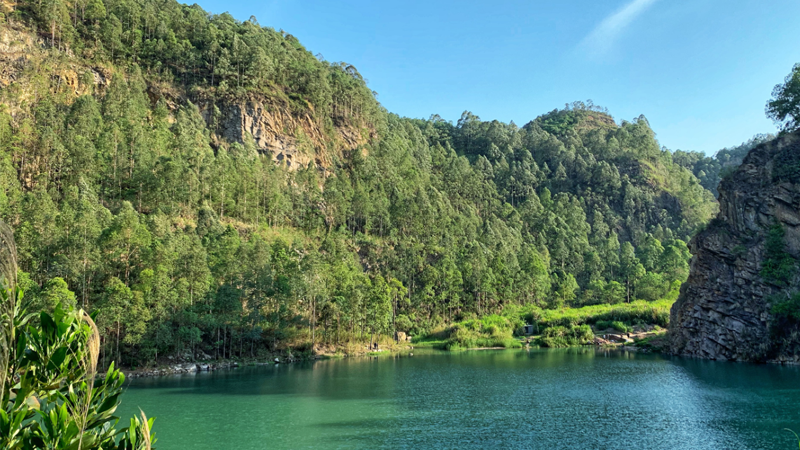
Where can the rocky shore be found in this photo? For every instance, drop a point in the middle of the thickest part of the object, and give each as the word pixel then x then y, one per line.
pixel 202 362
pixel 182 368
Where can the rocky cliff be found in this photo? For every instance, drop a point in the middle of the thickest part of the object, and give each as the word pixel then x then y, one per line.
pixel 293 138
pixel 724 309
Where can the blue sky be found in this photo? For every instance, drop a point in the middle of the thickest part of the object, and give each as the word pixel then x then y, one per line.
pixel 699 70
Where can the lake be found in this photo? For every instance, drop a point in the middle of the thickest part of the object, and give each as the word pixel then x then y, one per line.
pixel 577 398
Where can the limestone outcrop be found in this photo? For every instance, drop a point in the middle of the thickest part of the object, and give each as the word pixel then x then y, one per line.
pixel 724 309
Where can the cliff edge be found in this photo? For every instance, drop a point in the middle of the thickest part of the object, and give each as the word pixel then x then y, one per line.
pixel 725 307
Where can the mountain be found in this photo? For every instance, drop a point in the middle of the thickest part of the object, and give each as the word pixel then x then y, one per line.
pixel 740 301
pixel 206 184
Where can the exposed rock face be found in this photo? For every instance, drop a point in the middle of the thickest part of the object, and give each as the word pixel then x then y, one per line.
pixel 16 48
pixel 21 50
pixel 723 311
pixel 291 139
pixel 272 131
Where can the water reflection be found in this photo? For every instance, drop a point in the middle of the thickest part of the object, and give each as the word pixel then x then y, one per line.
pixel 570 398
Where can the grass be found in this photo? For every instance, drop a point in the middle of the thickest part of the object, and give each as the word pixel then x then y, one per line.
pixel 557 327
pixel 559 336
pixel 656 343
pixel 640 311
pixel 427 342
pixel 617 325
pixel 488 331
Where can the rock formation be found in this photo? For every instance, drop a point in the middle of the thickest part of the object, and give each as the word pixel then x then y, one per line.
pixel 289 135
pixel 290 138
pixel 723 311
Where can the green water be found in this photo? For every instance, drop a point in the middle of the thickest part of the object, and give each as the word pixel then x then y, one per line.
pixel 549 399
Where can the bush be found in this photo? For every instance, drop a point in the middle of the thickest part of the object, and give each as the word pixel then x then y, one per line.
pixel 566 336
pixel 778 265
pixel 490 331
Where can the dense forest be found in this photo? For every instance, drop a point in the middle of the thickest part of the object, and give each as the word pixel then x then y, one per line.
pixel 128 197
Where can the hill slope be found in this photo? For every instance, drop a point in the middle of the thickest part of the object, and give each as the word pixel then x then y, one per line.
pixel 207 184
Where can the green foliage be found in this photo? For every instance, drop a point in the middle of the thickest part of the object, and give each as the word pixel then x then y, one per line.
pixel 785 323
pixel 655 313
pixel 134 201
pixel 566 336
pixel 788 309
pixel 778 265
pixel 615 324
pixel 51 397
pixel 488 331
pixel 710 170
pixel 55 293
pixel 784 107
pixel 212 54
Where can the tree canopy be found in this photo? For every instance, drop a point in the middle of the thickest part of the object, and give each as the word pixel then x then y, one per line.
pixel 129 200
pixel 784 107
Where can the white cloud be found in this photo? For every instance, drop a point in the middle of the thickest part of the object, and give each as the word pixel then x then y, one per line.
pixel 600 41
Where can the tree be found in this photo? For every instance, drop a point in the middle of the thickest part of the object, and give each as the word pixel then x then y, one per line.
pixel 784 107
pixel 564 290
pixel 631 270
pixel 114 308
pixel 56 293
pixel 124 241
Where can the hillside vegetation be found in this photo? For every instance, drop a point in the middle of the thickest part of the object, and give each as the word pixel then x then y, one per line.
pixel 137 188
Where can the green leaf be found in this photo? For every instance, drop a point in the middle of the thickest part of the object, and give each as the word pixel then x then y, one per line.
pixel 48 326
pixel 58 358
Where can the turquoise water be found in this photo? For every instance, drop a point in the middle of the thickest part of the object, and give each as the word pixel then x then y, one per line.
pixel 550 399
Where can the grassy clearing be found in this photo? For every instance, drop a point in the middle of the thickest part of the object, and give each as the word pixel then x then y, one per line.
pixel 485 332
pixel 623 314
pixel 556 327
pixel 427 342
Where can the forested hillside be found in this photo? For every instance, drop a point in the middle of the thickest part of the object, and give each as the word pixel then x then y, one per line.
pixel 209 184
pixel 710 170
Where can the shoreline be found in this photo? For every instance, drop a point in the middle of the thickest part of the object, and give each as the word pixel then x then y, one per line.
pixel 203 366
pixel 198 367
pixel 186 366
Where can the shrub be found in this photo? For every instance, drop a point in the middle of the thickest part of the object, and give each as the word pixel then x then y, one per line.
pixel 489 331
pixel 778 265
pixel 50 394
pixel 566 336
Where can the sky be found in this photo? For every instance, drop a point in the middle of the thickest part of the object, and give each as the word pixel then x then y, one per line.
pixel 701 71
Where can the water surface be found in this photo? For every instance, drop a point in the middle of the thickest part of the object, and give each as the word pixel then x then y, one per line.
pixel 576 398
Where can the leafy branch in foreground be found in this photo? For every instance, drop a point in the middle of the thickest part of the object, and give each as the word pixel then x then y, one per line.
pixel 49 395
